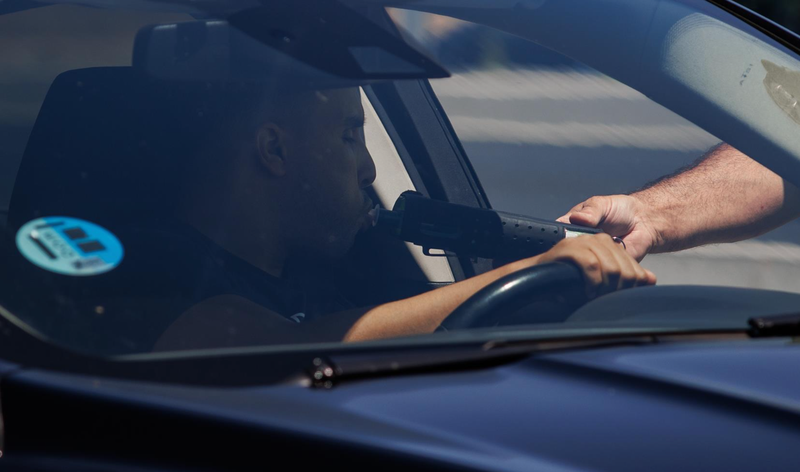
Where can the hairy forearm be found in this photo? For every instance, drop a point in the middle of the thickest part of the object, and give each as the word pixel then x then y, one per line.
pixel 725 197
pixel 423 313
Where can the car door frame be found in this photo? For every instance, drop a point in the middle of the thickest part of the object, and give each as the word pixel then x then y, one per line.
pixel 428 145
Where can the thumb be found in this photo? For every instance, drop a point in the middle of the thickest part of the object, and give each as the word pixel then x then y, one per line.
pixel 590 213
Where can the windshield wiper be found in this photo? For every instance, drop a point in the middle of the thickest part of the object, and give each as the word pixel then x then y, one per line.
pixel 774 326
pixel 327 372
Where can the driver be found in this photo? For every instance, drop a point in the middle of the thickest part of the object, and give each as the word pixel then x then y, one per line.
pixel 293 183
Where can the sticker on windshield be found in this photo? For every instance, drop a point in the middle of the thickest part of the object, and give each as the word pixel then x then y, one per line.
pixel 69 246
pixel 783 85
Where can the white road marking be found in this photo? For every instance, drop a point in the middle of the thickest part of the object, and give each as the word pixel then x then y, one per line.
pixel 762 251
pixel 750 264
pixel 494 89
pixel 522 84
pixel 572 134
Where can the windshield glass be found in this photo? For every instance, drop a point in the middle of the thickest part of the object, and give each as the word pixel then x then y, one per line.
pixel 545 131
pixel 177 179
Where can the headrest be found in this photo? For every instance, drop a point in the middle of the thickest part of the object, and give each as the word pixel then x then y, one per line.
pixel 109 144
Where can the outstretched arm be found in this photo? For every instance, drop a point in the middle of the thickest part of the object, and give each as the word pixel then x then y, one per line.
pixel 724 197
pixel 605 265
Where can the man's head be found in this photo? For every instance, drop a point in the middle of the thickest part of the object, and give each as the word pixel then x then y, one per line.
pixel 317 160
pixel 294 175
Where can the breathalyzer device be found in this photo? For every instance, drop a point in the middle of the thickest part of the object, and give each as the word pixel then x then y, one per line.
pixel 461 230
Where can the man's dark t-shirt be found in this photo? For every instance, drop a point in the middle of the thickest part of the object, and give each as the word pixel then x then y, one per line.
pixel 222 273
pixel 196 271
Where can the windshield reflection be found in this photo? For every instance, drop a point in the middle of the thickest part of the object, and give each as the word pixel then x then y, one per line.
pixel 245 206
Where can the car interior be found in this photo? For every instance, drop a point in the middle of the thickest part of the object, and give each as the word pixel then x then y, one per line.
pixel 94 118
pixel 108 146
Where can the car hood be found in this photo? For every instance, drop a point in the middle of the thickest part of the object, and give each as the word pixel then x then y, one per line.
pixel 637 408
pixel 646 407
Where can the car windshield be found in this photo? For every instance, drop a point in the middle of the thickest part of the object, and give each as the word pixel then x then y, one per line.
pixel 182 176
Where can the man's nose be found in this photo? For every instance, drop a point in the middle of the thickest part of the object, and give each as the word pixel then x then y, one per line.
pixel 366 169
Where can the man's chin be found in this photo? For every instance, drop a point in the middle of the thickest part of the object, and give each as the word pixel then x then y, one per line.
pixel 337 246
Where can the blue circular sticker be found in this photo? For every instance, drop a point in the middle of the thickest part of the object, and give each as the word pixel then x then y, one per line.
pixel 69 246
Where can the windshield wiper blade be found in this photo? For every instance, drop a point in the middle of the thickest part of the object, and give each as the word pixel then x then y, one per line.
pixel 774 326
pixel 326 372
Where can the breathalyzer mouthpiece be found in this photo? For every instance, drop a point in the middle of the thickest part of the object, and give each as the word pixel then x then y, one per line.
pixel 388 221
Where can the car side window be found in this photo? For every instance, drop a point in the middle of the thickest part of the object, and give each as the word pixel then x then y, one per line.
pixel 392 180
pixel 544 132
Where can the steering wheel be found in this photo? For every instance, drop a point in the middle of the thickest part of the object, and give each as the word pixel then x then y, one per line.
pixel 504 296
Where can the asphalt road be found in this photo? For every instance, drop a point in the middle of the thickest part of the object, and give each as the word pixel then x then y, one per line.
pixel 542 140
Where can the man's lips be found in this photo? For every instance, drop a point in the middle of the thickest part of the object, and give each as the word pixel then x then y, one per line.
pixel 368 214
pixel 372 215
pixel 367 204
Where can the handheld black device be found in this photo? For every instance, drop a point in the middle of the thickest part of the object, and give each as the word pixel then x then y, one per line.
pixel 472 232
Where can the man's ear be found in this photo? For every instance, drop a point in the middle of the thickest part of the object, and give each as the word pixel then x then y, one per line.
pixel 271 149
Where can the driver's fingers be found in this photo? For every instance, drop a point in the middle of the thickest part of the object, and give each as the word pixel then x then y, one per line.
pixel 590 265
pixel 628 275
pixel 631 273
pixel 650 278
pixel 605 264
pixel 611 266
pixel 599 265
pixel 634 275
pixel 643 276
pixel 620 271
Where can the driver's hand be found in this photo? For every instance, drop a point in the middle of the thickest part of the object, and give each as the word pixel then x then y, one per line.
pixel 606 266
pixel 622 216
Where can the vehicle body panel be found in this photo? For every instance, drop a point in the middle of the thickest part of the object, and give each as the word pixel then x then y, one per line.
pixel 723 405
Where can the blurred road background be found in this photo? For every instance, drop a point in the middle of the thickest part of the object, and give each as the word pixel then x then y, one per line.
pixel 544 133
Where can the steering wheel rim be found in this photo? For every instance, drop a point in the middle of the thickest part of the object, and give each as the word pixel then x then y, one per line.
pixel 508 294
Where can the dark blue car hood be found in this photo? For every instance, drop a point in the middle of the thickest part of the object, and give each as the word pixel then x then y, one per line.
pixel 732 405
